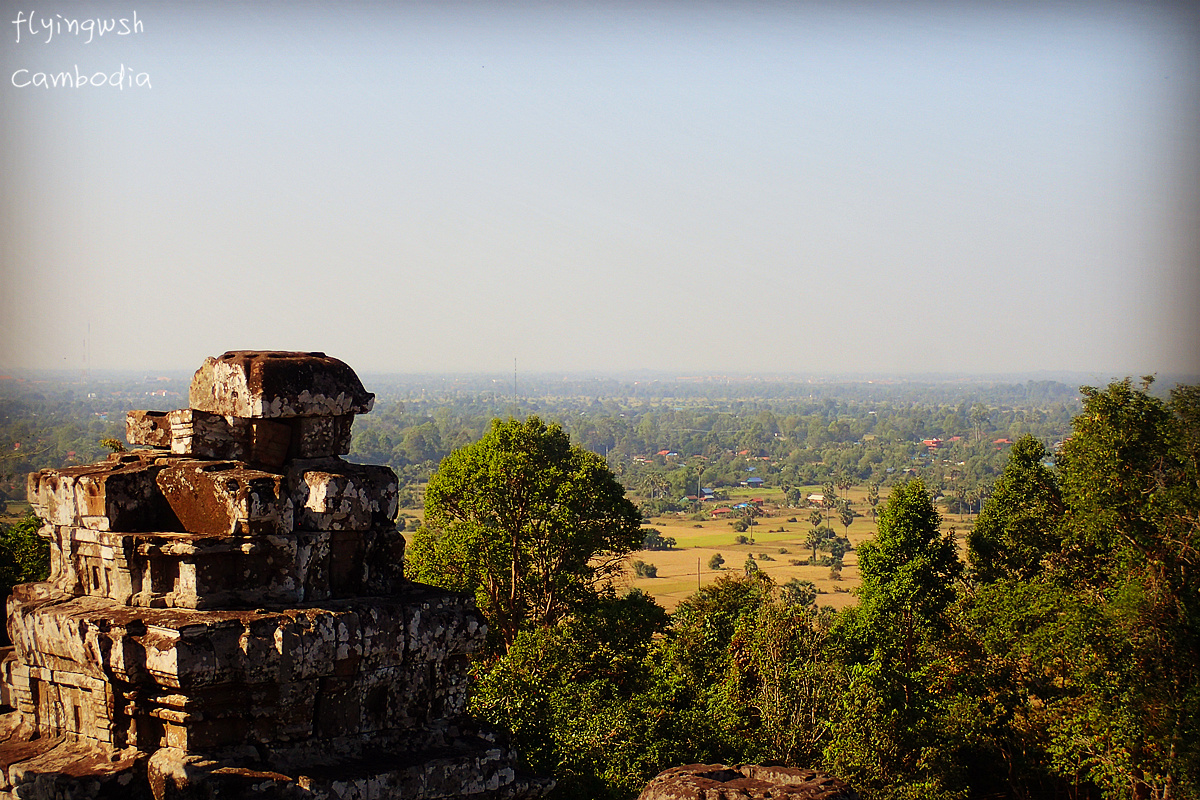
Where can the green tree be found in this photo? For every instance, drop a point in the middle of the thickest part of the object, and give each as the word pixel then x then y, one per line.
pixel 527 521
pixel 24 557
pixel 643 570
pixel 889 738
pixel 845 515
pixel 909 569
pixel 778 693
pixel 1018 526
pixel 798 593
pixel 573 697
pixel 1130 634
pixel 694 662
pixel 717 562
pixel 817 538
pixel 845 482
pixel 829 492
pixel 1089 642
pixel 652 539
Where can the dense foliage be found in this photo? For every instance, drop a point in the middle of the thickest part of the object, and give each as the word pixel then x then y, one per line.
pixel 527 521
pixel 24 557
pixel 1062 660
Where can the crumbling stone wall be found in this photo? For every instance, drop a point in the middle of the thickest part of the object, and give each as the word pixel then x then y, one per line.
pixel 227 614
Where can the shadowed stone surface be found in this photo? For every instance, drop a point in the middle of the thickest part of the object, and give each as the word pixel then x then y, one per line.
pixel 227 615
pixel 744 782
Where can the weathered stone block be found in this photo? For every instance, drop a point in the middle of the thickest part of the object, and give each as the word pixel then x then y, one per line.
pixel 148 428
pixel 332 494
pixel 112 495
pixel 186 570
pixel 312 564
pixel 226 497
pixel 383 561
pixel 745 782
pixel 204 435
pixel 277 384
pixel 320 437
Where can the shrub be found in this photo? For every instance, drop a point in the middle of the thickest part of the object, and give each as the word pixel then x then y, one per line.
pixel 741 539
pixel 783 551
pixel 643 570
pixel 652 539
pixel 798 593
pixel 716 562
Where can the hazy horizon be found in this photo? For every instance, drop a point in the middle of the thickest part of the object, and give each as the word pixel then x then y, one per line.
pixel 751 188
pixel 504 382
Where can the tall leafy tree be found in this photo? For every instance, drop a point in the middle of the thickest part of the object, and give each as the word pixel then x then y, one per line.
pixel 778 692
pixel 910 568
pixel 1130 477
pixel 527 521
pixel 1018 527
pixel 1087 605
pixel 890 734
pixel 573 697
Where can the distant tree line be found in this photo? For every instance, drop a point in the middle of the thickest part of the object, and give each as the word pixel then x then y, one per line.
pixel 720 432
pixel 664 451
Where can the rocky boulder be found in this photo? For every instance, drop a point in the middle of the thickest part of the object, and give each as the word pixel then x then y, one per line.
pixel 745 782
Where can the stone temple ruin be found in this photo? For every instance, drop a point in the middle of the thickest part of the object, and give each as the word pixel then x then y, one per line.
pixel 227 614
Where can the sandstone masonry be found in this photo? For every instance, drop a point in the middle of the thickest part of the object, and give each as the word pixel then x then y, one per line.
pixel 227 615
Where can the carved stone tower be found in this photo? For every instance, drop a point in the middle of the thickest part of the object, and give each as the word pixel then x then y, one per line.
pixel 227 614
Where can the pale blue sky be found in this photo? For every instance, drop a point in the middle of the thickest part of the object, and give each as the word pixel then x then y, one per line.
pixel 710 187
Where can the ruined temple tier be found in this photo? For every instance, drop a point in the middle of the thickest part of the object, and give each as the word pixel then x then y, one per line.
pixel 227 614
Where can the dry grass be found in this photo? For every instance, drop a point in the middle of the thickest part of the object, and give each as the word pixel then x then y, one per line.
pixel 696 542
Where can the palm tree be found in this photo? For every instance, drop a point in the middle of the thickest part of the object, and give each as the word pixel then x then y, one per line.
pixel 873 499
pixel 830 493
pixel 846 515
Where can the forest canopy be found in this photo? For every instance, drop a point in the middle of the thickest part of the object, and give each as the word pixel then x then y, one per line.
pixel 1061 659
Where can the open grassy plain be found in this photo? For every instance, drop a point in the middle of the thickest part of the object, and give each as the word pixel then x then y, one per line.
pixel 682 570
